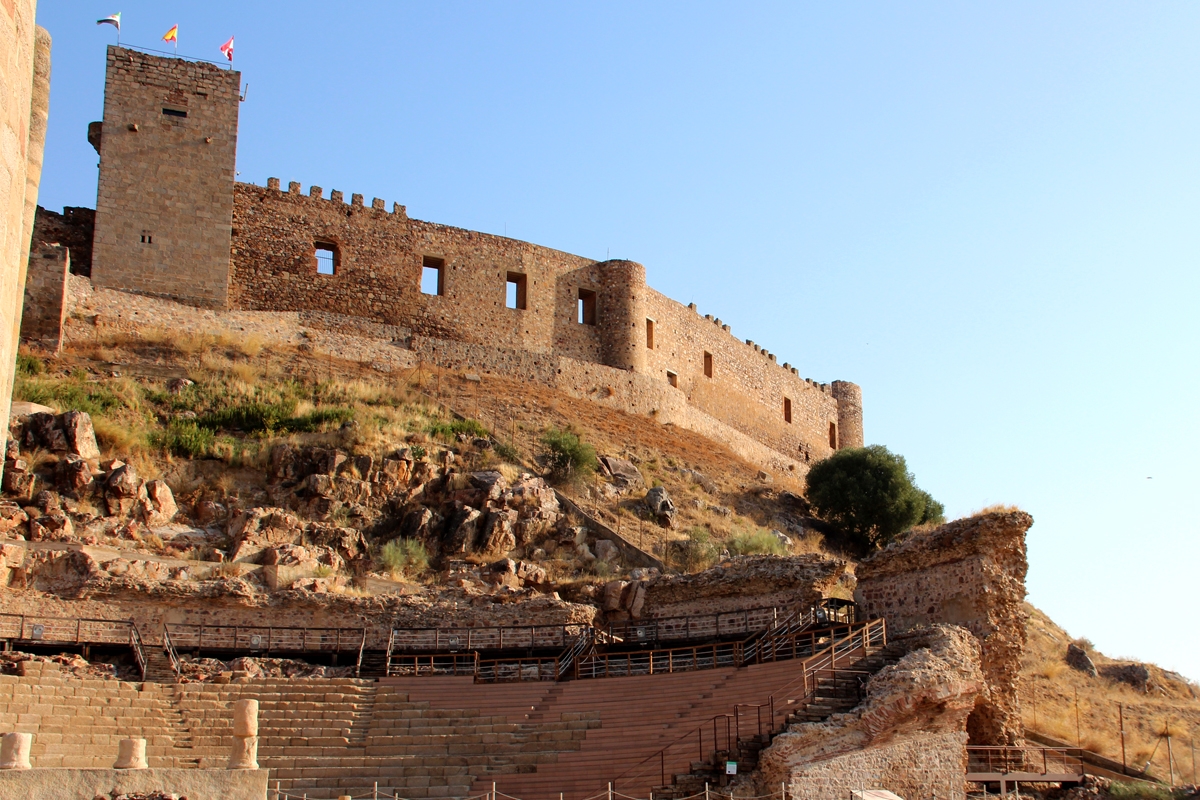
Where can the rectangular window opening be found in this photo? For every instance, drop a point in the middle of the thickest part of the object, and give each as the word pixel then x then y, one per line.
pixel 174 112
pixel 326 255
pixel 147 237
pixel 587 307
pixel 514 295
pixel 672 379
pixel 708 365
pixel 433 275
pixel 649 333
pixel 833 435
pixel 787 409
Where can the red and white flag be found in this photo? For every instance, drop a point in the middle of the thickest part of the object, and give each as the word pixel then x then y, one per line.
pixel 227 49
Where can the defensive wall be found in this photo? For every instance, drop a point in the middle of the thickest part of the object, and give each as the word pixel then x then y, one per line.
pixel 24 110
pixel 171 222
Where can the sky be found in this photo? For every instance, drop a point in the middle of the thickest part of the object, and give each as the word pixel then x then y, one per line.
pixel 985 214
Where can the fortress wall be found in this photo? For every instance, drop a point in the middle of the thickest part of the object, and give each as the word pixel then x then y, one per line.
pixel 165 196
pixel 747 388
pixel 378 266
pixel 72 229
pixel 24 99
pixel 46 296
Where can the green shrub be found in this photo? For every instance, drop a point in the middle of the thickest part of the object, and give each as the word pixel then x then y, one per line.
pixel 317 419
pixel 697 552
pixel 507 452
pixel 29 366
pixel 404 556
pixel 1128 790
pixel 76 393
pixel 417 451
pixel 868 494
pixel 759 541
pixel 251 415
pixel 569 456
pixel 450 430
pixel 186 438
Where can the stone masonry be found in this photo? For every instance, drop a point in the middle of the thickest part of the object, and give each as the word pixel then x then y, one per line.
pixel 165 199
pixel 46 296
pixel 24 105
pixel 172 222
pixel 970 572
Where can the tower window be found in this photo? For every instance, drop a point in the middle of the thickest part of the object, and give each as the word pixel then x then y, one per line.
pixel 327 257
pixel 708 365
pixel 174 112
pixel 833 435
pixel 433 275
pixel 672 379
pixel 650 333
pixel 147 237
pixel 587 307
pixel 787 409
pixel 514 295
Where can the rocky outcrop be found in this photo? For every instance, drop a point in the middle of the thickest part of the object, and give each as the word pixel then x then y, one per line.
pixel 1078 659
pixel 907 735
pixel 970 572
pixel 747 582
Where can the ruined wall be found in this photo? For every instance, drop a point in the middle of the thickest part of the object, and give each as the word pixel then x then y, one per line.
pixel 164 203
pixel 970 572
pixel 907 736
pixel 45 306
pixel 24 101
pixel 72 229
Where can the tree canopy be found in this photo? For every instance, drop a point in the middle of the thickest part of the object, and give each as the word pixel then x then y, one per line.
pixel 869 495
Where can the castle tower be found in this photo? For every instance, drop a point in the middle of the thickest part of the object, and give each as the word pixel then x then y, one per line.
pixel 164 207
pixel 850 414
pixel 622 317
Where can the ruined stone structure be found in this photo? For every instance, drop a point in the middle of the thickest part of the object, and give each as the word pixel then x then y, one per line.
pixel 24 109
pixel 970 572
pixel 171 222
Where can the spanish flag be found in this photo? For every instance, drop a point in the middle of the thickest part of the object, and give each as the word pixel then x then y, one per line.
pixel 172 35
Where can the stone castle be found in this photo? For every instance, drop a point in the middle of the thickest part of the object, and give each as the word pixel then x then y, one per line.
pixel 172 222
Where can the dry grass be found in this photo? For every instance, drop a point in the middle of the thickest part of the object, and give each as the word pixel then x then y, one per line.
pixel 1049 688
pixel 995 508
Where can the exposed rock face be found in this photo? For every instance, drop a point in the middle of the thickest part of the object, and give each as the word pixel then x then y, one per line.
pixel 746 582
pixel 1077 658
pixel 624 474
pixel 158 507
pixel 970 572
pixel 70 433
pixel 1135 675
pixel 660 506
pixel 908 735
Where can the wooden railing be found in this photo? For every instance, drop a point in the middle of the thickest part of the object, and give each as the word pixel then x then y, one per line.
pixel 498 638
pixel 770 715
pixel 64 630
pixel 649 662
pixel 266 639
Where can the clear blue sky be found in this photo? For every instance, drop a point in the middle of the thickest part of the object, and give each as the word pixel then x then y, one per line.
pixel 986 214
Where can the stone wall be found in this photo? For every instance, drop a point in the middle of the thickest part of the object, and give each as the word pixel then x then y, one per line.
pixel 227 784
pixel 970 572
pixel 907 736
pixel 73 229
pixel 46 296
pixel 24 101
pixel 164 204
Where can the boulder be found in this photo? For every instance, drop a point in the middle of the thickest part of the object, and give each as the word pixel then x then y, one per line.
pixel 206 512
pixel 158 507
pixel 462 530
pixel 73 475
pixel 1135 675
pixel 53 526
pixel 498 537
pixel 491 483
pixel 122 490
pixel 317 485
pixel 18 480
pixel 611 599
pixel 80 435
pixel 255 529
pixel 783 539
pixel 660 505
pixel 606 550
pixel 622 472
pixel 1078 659
pixel 12 518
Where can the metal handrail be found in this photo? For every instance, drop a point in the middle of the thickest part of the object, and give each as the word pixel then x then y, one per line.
pixel 387 664
pixel 361 646
pixel 1027 760
pixel 267 639
pixel 169 649
pixel 139 655
pixel 466 664
pixel 697 626
pixel 649 662
pixel 533 668
pixel 569 659
pixel 872 633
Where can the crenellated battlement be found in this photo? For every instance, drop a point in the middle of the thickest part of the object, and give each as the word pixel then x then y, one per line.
pixel 467 299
